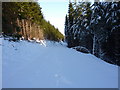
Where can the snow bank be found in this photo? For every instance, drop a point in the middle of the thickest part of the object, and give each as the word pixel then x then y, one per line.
pixel 31 65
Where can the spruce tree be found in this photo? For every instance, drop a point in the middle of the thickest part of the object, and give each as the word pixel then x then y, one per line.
pixel 66 28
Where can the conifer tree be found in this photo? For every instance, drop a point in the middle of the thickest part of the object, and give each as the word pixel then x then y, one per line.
pixel 26 19
pixel 97 28
pixel 66 28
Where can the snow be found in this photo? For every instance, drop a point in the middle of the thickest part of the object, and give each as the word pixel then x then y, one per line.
pixel 106 15
pixel 42 42
pixel 99 17
pixel 0 63
pixel 32 65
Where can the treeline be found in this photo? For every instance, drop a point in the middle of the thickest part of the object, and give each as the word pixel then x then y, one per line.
pixel 26 19
pixel 95 27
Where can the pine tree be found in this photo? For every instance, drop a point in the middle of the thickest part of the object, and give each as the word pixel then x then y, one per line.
pixel 66 28
pixel 70 23
pixel 26 19
pixel 96 28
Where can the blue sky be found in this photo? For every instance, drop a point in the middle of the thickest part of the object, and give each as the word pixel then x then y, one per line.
pixel 55 11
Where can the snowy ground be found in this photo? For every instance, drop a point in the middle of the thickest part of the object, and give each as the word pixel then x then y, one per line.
pixel 0 64
pixel 31 65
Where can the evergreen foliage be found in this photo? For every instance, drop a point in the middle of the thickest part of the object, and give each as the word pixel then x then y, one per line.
pixel 26 19
pixel 95 27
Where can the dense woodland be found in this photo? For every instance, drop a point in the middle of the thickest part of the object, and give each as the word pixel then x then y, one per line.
pixel 95 27
pixel 25 19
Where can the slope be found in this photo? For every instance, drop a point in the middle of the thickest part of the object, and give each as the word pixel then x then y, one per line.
pixel 32 65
